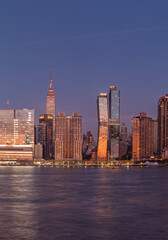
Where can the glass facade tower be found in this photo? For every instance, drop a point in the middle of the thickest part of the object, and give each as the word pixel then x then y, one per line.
pixel 114 122
pixel 102 126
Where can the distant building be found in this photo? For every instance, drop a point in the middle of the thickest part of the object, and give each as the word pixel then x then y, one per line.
pixel 68 143
pixel 123 141
pixel 51 106
pixel 114 122
pixel 45 135
pixel 143 137
pixel 93 155
pixel 162 124
pixel 123 149
pixel 129 145
pixel 88 144
pixel 38 151
pixel 124 133
pixel 88 138
pixel 16 134
pixel 102 127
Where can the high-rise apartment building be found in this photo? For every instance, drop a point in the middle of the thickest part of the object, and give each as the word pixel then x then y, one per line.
pixel 102 108
pixel 51 105
pixel 68 143
pixel 16 134
pixel 163 124
pixel 143 137
pixel 45 135
pixel 114 122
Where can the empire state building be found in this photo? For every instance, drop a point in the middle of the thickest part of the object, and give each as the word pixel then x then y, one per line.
pixel 51 106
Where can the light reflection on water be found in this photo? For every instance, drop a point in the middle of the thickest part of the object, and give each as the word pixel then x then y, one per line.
pixel 79 203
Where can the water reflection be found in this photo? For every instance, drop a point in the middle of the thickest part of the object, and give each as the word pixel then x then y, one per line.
pixel 50 203
pixel 17 211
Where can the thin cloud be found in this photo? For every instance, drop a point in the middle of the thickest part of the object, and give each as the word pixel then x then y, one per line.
pixel 87 36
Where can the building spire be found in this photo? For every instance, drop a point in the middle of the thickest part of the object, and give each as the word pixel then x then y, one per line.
pixel 51 82
pixel 7 104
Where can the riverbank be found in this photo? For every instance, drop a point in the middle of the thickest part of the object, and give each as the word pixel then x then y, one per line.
pixel 84 163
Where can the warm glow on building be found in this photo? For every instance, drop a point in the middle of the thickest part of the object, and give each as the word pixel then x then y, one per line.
pixel 16 134
pixel 142 137
pixel 68 143
pixel 103 127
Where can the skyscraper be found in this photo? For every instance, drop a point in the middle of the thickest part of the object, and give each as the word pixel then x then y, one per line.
pixel 51 105
pixel 163 124
pixel 42 137
pixel 16 134
pixel 102 126
pixel 142 137
pixel 68 143
pixel 114 122
pixel 45 135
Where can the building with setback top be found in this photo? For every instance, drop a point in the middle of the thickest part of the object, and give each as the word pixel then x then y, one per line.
pixel 51 106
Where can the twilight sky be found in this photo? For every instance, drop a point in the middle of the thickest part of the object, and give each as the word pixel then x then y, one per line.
pixel 91 44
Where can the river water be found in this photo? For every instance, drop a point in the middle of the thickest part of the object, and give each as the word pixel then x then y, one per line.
pixel 84 203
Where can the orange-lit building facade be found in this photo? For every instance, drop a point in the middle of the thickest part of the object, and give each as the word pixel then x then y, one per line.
pixel 163 124
pixel 68 143
pixel 16 134
pixel 102 108
pixel 143 137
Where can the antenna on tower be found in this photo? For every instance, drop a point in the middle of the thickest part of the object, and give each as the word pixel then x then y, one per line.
pixel 7 104
pixel 51 71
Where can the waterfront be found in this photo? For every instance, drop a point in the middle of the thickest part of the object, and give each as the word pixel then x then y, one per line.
pixel 83 203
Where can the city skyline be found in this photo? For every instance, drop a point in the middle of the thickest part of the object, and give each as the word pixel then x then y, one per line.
pixel 83 119
pixel 128 124
pixel 89 51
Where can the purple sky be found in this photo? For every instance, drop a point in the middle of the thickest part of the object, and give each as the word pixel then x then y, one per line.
pixel 91 45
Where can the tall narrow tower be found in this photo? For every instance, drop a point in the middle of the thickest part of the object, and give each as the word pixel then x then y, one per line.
pixel 102 127
pixel 51 106
pixel 114 122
